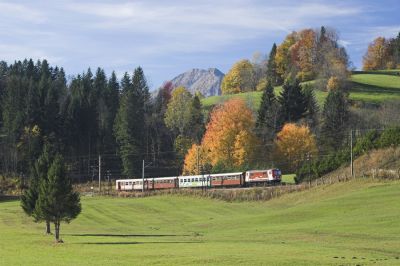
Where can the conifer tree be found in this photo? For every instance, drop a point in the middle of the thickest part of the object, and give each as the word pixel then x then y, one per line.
pixel 311 106
pixel 335 116
pixel 197 121
pixel 267 119
pixel 57 201
pixel 272 75
pixel 129 126
pixel 31 195
pixel 292 102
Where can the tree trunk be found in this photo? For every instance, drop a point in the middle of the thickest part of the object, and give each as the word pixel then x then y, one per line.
pixel 48 230
pixel 57 231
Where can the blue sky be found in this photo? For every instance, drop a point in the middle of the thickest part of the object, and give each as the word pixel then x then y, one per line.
pixel 167 38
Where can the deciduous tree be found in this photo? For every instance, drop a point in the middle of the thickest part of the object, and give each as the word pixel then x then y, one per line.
pixel 178 116
pixel 294 144
pixel 240 78
pixel 377 55
pixel 229 137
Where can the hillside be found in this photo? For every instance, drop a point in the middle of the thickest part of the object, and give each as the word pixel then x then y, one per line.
pixel 347 223
pixel 366 88
pixel 207 82
pixel 368 164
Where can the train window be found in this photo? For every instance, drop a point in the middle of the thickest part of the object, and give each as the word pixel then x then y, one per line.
pixel 126 183
pixel 197 180
pixel 184 180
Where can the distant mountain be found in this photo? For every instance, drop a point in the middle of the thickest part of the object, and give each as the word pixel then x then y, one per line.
pixel 207 82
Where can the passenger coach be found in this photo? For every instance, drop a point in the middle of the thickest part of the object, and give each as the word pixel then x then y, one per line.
pixel 225 180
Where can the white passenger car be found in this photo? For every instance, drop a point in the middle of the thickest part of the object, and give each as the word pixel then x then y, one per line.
pixel 194 181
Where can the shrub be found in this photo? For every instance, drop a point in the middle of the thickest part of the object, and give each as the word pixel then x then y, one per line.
pixel 389 137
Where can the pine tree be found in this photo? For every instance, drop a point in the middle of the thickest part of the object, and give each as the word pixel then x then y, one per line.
pixel 311 106
pixel 38 174
pixel 335 116
pixel 129 126
pixel 197 121
pixel 267 119
pixel 292 102
pixel 57 202
pixel 272 75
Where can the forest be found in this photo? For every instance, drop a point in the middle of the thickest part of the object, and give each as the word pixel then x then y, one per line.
pixel 93 119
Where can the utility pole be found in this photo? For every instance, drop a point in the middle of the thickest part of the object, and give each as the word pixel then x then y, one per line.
pixel 143 176
pixel 99 173
pixel 351 154
pixel 198 168
pixel 309 168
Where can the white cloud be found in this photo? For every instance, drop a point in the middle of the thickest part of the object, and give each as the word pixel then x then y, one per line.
pixel 21 12
pixel 231 15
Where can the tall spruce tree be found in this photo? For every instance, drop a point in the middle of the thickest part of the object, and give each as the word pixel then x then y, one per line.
pixel 57 201
pixel 38 174
pixel 335 116
pixel 292 102
pixel 197 121
pixel 129 126
pixel 272 75
pixel 267 119
pixel 312 106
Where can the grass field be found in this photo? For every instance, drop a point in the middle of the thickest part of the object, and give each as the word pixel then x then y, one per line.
pixel 289 179
pixel 343 224
pixel 368 88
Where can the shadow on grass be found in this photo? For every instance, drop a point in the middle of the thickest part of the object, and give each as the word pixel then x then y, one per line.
pixel 361 87
pixel 125 235
pixel 4 198
pixel 140 243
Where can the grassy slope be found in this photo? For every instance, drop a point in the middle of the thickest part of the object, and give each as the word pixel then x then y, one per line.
pixel 373 88
pixel 327 225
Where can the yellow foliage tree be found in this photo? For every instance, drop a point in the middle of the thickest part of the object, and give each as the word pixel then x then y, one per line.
pixel 178 115
pixel 195 159
pixel 229 138
pixel 376 56
pixel 304 54
pixel 333 83
pixel 293 144
pixel 239 79
pixel 282 57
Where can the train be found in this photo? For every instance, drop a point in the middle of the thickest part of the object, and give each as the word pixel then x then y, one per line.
pixel 223 180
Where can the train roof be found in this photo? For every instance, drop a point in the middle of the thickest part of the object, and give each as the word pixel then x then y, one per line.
pixel 190 176
pixel 226 174
pixel 146 178
pixel 252 171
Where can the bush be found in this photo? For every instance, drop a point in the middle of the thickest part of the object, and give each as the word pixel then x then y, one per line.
pixel 366 143
pixel 389 137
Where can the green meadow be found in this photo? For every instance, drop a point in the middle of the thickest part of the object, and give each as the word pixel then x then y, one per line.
pixel 351 223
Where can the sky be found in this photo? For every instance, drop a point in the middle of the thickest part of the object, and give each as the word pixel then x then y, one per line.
pixel 167 38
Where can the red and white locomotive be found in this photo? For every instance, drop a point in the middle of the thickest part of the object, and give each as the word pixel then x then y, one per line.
pixel 238 179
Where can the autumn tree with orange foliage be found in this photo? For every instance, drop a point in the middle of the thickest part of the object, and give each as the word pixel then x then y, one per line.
pixel 376 55
pixel 229 139
pixel 293 144
pixel 196 160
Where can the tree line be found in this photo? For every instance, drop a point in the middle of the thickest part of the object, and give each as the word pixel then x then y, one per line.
pixel 89 115
pixel 382 53
pixel 305 55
